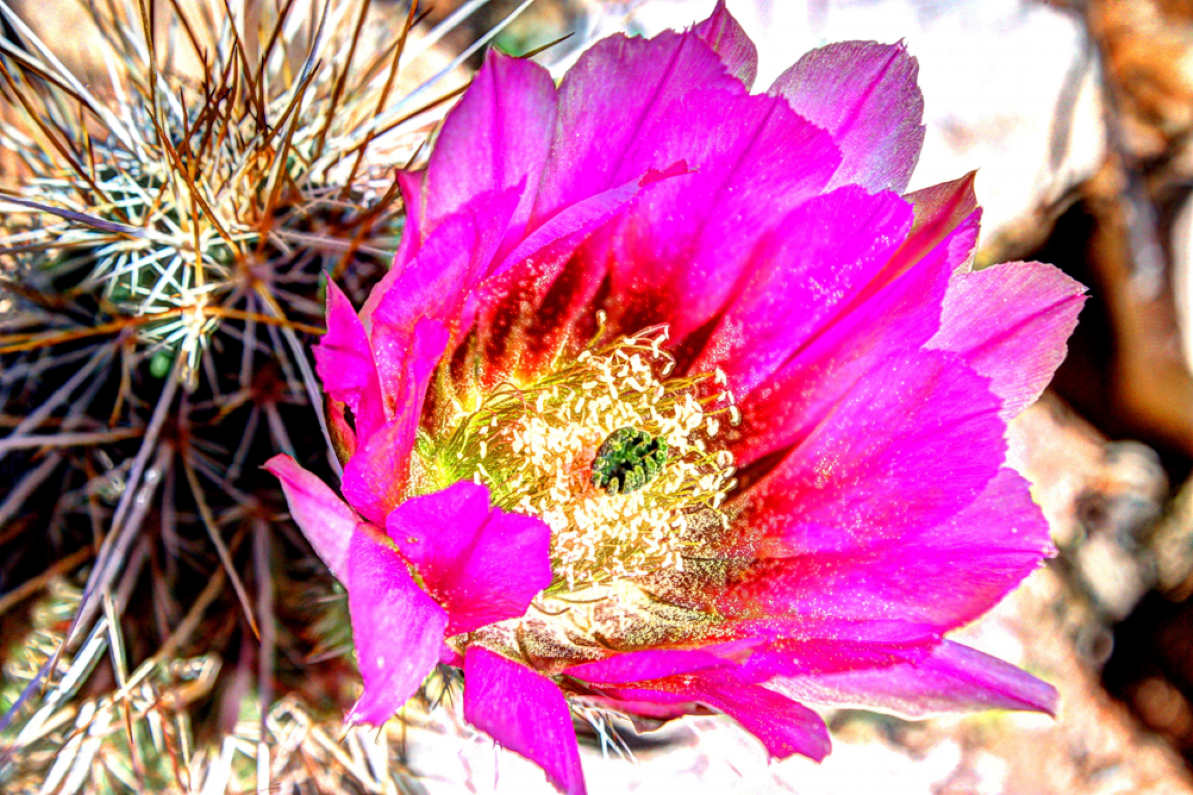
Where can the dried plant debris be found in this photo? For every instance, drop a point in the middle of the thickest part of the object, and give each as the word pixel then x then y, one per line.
pixel 139 735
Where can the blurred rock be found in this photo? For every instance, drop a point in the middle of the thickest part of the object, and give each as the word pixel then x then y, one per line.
pixel 1172 540
pixel 1086 485
pixel 1148 47
pixel 1100 498
pixel 1011 89
pixel 1126 372
pixel 1182 276
pixel 1139 252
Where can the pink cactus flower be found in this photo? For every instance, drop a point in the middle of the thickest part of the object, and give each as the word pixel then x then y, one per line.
pixel 672 402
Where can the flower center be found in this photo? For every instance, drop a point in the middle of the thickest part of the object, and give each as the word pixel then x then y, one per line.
pixel 615 456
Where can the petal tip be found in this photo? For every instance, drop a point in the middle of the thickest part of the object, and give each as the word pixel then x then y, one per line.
pixel 278 464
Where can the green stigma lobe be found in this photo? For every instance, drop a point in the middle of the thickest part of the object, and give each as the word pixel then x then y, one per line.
pixel 627 460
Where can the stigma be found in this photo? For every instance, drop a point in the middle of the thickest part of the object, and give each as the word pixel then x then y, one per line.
pixel 627 460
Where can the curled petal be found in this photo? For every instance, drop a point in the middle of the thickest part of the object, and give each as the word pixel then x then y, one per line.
pixel 432 289
pixel 435 285
pixel 325 519
pixel 537 295
pixel 952 678
pixel 524 712
pixel 784 726
pixel 396 626
pixel 481 563
pixel 375 477
pixel 345 364
pixel 413 186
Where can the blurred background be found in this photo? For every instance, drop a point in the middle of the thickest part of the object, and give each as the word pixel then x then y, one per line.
pixel 1078 117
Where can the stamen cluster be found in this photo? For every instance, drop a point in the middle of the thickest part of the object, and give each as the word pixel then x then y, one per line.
pixel 535 446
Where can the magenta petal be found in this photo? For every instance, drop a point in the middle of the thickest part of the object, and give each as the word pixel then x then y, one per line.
pixel 898 310
pixel 484 565
pixel 631 107
pixel 540 291
pixel 909 445
pixel 952 678
pixel 496 138
pixel 653 708
pixel 433 285
pixel 811 646
pixel 985 550
pixel 751 160
pixel 375 477
pixel 807 270
pixel 453 261
pixel 412 185
pixel 636 666
pixel 572 224
pixel 722 32
pixel 345 364
pixel 484 173
pixel 939 210
pixel 942 576
pixel 397 629
pixel 1010 322
pixel 784 726
pixel 326 521
pixel 618 93
pixel 524 712
pixel 865 94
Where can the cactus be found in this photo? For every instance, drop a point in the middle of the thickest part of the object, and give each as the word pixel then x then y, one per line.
pixel 162 268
